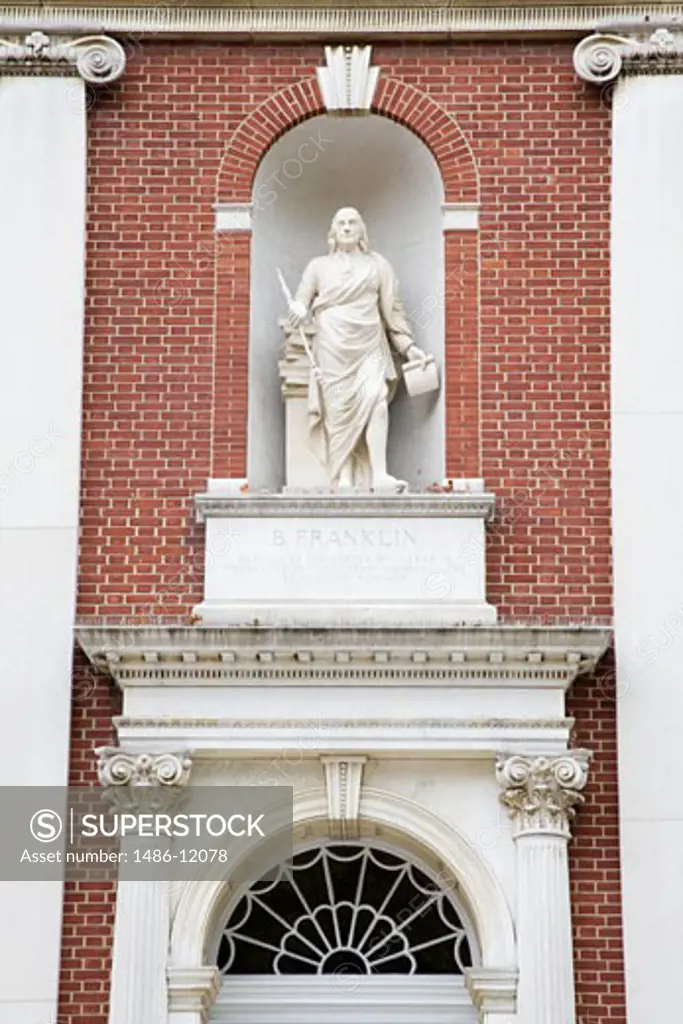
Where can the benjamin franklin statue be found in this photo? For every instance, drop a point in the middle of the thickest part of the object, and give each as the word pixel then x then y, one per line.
pixel 352 296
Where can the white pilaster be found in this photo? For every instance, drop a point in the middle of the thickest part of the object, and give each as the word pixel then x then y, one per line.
pixel 541 794
pixel 42 212
pixel 647 421
pixel 141 935
pixel 42 267
pixel 138 984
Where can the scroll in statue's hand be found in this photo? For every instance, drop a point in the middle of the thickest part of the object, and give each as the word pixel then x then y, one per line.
pixel 297 313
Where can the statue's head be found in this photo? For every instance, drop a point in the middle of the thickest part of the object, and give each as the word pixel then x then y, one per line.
pixel 348 231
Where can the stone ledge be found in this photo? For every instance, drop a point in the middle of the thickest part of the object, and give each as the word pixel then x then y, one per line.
pixel 450 504
pixel 482 655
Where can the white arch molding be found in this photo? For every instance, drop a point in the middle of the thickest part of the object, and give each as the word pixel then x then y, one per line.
pixel 414 831
pixel 390 175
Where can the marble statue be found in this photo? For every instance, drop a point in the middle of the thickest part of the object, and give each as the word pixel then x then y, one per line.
pixel 352 296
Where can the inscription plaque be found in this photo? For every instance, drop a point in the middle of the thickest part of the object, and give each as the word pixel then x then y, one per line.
pixel 305 569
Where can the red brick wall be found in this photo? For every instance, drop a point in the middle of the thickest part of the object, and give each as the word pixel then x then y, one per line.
pixel 166 362
pixel 89 907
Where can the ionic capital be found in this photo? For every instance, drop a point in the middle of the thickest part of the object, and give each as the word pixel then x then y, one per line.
pixel 119 768
pixel 543 793
pixel 601 58
pixel 97 59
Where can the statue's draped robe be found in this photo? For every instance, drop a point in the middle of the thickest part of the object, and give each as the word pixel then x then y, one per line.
pixel 358 315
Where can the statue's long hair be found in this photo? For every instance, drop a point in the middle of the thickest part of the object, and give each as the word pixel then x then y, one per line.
pixel 364 241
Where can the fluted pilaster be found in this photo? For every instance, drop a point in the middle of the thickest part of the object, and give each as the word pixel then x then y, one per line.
pixel 139 981
pixel 542 795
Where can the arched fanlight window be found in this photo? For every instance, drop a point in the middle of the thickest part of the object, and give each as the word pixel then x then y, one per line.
pixel 346 908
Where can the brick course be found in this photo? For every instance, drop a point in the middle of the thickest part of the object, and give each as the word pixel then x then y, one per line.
pixel 527 368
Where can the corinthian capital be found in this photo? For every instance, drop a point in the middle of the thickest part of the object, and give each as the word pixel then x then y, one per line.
pixel 543 793
pixel 97 59
pixel 601 58
pixel 118 768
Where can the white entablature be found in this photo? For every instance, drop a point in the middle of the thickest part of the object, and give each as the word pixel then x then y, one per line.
pixel 439 693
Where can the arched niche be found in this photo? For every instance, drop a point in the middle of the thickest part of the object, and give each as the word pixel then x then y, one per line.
pixel 389 174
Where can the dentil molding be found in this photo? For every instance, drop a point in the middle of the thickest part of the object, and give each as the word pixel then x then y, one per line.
pixel 543 793
pixel 97 59
pixel 481 656
pixel 601 58
pixel 119 768
pixel 421 20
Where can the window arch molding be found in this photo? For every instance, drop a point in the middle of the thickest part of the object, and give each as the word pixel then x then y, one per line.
pixel 414 830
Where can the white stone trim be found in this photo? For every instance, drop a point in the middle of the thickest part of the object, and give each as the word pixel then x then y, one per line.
pixel 192 990
pixel 138 656
pixel 364 23
pixel 602 57
pixel 202 902
pixel 460 504
pixel 460 216
pixel 233 217
pixel 227 485
pixel 370 999
pixel 450 739
pixel 97 59
pixel 347 81
pixel 493 990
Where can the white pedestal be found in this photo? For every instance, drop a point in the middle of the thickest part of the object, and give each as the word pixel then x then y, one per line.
pixel 302 467
pixel 364 560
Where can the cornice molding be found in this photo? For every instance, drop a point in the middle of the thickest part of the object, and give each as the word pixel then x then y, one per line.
pixel 435 737
pixel 601 58
pixel 542 794
pixel 97 59
pixel 467 656
pixel 436 22
pixel 453 504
